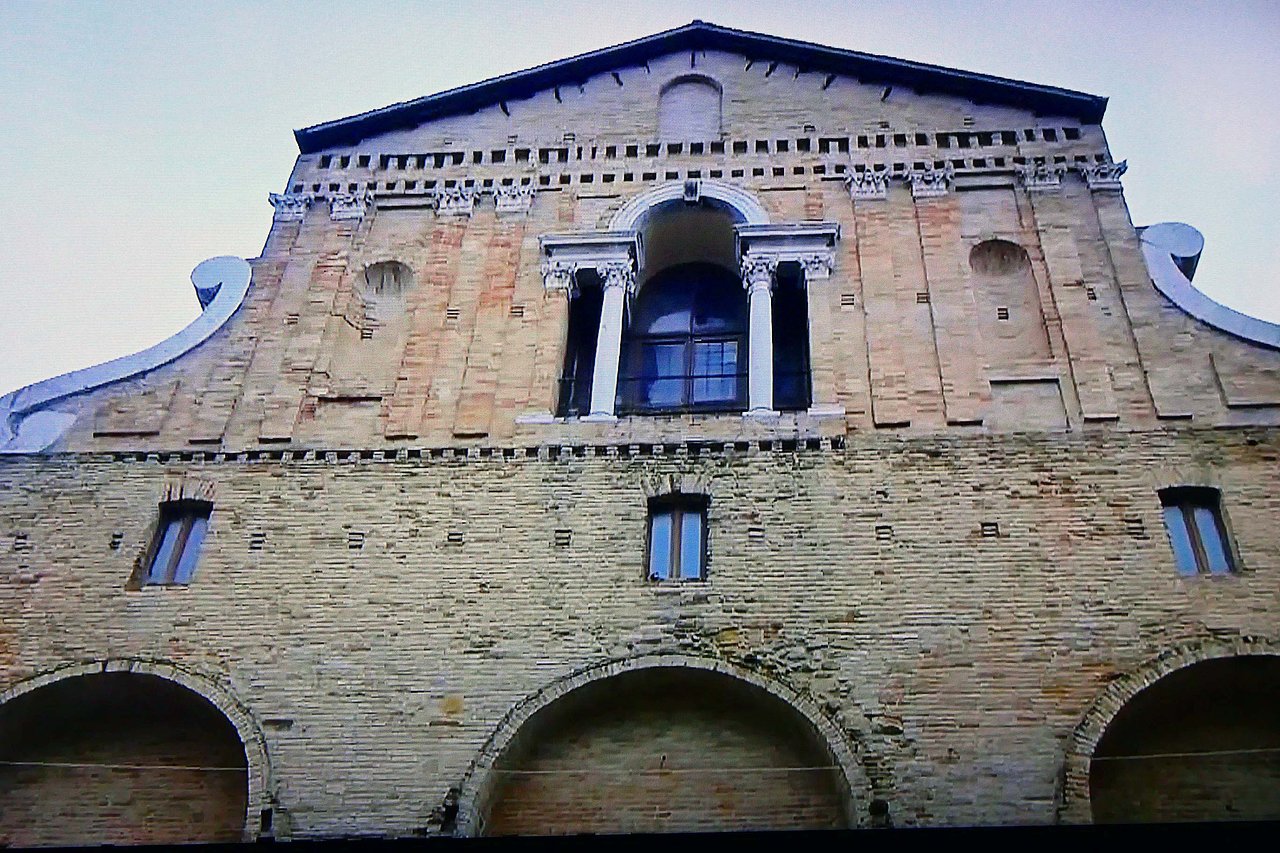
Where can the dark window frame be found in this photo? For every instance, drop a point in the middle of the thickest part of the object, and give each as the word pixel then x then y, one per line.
pixel 1181 503
pixel 678 506
pixel 181 516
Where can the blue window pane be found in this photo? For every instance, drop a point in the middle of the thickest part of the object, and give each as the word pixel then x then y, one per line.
pixel 1180 538
pixel 1215 549
pixel 691 546
pixel 715 368
pixel 663 374
pixel 191 550
pixel 660 546
pixel 158 572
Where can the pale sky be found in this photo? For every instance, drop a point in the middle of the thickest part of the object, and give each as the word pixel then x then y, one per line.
pixel 140 138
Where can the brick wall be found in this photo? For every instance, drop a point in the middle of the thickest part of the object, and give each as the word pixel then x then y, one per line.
pixel 958 656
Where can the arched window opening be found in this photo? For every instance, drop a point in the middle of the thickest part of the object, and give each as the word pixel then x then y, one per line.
pixel 685 347
pixel 1012 320
pixel 689 109
pixel 119 758
pixel 1200 744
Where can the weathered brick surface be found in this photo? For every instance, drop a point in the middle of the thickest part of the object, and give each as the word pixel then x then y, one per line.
pixel 958 663
pixel 965 573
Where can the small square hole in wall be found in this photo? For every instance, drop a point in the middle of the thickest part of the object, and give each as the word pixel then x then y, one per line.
pixel 922 297
pixel 563 538
pixel 848 300
pixel 522 155
pixel 717 148
pixel 363 161
pixel 1091 294
pixel 779 171
pixel 452 315
pixel 757 172
pixel 366 333
pixel 297 188
pixel 648 176
pixel 1135 528
pixel 990 528
pixel 517 310
pixel 755 533
pixel 762 146
pixel 803 144
pixel 922 139
pixel 884 533
pixel 116 540
pixel 454 537
pixel 736 173
pixel 715 173
pixel 257 540
pixel 1071 133
pixel 355 540
pixel 291 319
pixel 675 148
pixel 628 176
pixel 20 542
pixel 564 180
pixel 633 150
pixel 326 160
pixel 695 147
pixel 782 146
pixel 1002 313
pixel 740 147
pixel 652 150
pixel 673 176
pixel 1050 135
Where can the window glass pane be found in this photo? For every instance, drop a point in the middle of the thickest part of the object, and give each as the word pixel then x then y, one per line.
pixel 191 550
pixel 159 570
pixel 1180 538
pixel 658 362
pixel 690 545
pixel 715 369
pixel 660 545
pixel 1211 540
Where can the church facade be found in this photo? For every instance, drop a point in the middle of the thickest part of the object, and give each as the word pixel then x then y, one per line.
pixel 714 431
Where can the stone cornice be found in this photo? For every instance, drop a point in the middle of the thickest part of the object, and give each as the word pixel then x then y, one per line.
pixel 810 244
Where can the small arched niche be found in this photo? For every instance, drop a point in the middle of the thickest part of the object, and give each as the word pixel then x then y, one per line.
pixel 1012 318
pixel 375 329
pixel 1200 744
pixel 119 758
pixel 666 749
pixel 689 109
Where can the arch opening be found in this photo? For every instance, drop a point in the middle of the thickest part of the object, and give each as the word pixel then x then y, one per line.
pixel 1202 743
pixel 119 758
pixel 663 749
pixel 1012 315
pixel 689 108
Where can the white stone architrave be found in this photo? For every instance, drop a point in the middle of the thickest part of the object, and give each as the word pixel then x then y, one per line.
pixel 746 208
pixel 348 206
pixel 1103 176
pixel 614 256
pixel 867 185
pixel 1042 177
pixel 456 201
pixel 290 207
pixel 513 198
pixel 930 182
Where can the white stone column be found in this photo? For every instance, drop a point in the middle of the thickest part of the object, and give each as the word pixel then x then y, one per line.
pixel 618 280
pixel 757 277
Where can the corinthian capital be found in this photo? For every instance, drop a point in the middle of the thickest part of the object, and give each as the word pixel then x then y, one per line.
pixel 513 198
pixel 758 271
pixel 290 206
pixel 560 276
pixel 1103 176
pixel 867 185
pixel 617 274
pixel 1041 177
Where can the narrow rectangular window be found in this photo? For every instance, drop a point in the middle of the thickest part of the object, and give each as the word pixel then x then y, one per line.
pixel 1197 532
pixel 176 548
pixel 677 538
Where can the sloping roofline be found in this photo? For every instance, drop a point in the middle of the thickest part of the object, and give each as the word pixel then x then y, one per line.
pixel 866 67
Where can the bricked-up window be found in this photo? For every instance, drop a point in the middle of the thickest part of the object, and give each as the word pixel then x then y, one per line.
pixel 1193 517
pixel 173 555
pixel 677 538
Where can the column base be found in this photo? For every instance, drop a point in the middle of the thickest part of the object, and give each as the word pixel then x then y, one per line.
pixel 761 414
pixel 826 410
pixel 599 418
pixel 536 418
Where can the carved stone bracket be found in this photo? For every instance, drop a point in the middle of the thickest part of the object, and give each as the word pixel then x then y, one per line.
pixel 930 182
pixel 1103 176
pixel 456 201
pixel 810 244
pixel 513 198
pixel 867 185
pixel 1042 177
pixel 290 207
pixel 345 206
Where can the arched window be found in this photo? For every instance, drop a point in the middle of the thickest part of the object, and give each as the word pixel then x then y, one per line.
pixel 685 347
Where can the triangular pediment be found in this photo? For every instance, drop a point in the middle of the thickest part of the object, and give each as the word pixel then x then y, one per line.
pixel 867 69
